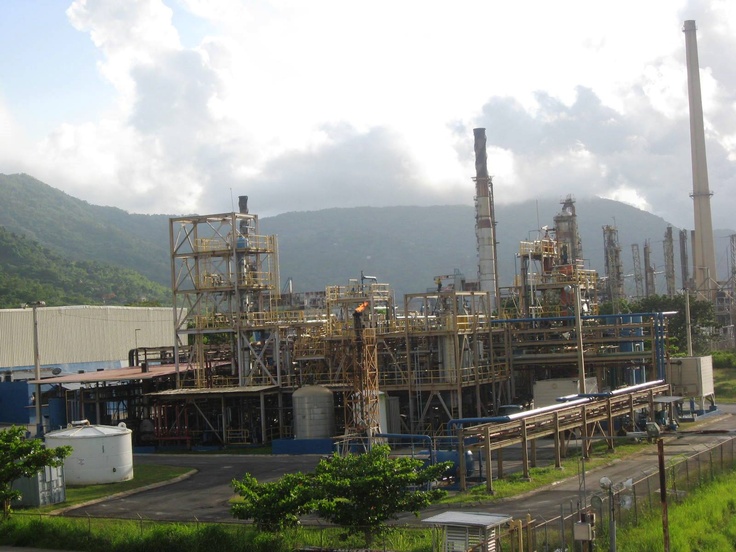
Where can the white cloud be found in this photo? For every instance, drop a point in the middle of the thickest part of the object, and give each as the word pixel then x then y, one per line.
pixel 330 103
pixel 628 195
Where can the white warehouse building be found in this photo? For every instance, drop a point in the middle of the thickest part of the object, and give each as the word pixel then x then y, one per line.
pixel 75 338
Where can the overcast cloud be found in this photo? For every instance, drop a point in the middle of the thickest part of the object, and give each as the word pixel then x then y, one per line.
pixel 309 105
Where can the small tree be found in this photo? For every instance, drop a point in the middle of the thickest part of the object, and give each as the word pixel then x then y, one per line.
pixel 357 491
pixel 21 457
pixel 274 505
pixel 363 491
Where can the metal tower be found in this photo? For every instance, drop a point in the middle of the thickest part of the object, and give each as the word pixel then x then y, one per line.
pixel 614 269
pixel 669 262
pixel 568 237
pixel 649 288
pixel 638 279
pixel 224 277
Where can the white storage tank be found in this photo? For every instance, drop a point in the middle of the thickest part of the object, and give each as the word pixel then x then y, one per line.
pixel 100 454
pixel 314 412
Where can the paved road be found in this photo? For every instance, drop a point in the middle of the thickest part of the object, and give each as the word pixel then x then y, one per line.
pixel 205 495
pixel 546 502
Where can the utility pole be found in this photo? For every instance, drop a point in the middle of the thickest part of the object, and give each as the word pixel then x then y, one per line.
pixel 663 494
pixel 37 366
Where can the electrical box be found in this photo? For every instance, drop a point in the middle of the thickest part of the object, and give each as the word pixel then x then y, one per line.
pixel 691 376
pixel 583 531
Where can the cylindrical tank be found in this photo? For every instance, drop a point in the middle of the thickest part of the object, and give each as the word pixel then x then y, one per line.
pixel 101 454
pixel 314 412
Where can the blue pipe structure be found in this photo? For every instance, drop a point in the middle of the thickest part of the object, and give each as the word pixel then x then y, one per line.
pixel 658 339
pixel 408 436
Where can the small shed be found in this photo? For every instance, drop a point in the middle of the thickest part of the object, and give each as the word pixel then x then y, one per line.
pixel 466 530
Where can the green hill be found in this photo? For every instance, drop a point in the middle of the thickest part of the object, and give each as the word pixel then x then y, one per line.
pixel 408 246
pixel 79 231
pixel 404 246
pixel 30 272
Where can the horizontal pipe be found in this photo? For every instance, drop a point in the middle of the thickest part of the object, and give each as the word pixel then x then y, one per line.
pixel 614 393
pixel 584 317
pixel 512 417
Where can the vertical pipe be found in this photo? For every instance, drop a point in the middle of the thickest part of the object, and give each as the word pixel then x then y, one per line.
pixel 688 324
pixel 663 495
pixel 704 255
pixel 577 290
pixel 684 268
pixel 37 372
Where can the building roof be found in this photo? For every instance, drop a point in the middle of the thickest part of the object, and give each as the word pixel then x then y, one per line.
pixel 117 374
pixel 474 519
pixel 181 393
pixel 82 334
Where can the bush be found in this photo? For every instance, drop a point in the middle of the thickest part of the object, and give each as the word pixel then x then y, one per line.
pixel 724 359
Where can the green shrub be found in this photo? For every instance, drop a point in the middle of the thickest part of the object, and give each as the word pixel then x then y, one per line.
pixel 724 359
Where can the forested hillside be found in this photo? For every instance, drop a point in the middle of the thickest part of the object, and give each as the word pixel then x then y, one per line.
pixel 79 231
pixel 30 272
pixel 405 246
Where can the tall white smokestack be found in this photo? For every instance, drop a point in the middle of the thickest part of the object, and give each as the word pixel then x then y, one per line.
pixel 704 257
pixel 484 219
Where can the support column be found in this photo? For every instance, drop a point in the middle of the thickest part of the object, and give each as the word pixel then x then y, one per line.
pixel 524 451
pixel 558 442
pixel 489 466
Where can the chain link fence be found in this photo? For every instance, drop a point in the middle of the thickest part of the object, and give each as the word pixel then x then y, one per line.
pixel 629 503
pixel 684 473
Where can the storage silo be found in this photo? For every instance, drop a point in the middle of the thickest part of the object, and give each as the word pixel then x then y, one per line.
pixel 314 412
pixel 100 454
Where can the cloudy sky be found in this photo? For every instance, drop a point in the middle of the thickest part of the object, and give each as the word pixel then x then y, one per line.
pixel 177 106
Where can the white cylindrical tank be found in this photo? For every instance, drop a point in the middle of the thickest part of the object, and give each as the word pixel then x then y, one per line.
pixel 100 454
pixel 314 412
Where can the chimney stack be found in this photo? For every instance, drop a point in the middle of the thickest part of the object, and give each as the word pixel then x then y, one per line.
pixel 485 227
pixel 704 257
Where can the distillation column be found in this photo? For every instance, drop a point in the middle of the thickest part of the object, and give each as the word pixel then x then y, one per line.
pixel 669 262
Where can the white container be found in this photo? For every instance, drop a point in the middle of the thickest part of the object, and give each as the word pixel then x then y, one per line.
pixel 314 412
pixel 101 454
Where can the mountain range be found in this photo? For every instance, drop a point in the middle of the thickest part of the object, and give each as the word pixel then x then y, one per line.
pixel 405 246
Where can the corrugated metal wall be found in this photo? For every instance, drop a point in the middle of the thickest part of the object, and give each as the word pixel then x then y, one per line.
pixel 82 333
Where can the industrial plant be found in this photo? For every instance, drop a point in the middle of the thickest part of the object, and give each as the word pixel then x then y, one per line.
pixel 489 363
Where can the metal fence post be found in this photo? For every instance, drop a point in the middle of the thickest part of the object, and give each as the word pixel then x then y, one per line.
pixel 636 513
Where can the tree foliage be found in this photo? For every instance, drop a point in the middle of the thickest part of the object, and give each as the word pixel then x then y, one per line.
pixel 78 231
pixel 21 457
pixel 363 491
pixel 357 491
pixel 29 271
pixel 702 320
pixel 274 505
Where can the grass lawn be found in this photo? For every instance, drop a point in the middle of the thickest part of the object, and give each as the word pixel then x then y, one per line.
pixel 725 384
pixel 705 521
pixel 513 484
pixel 144 475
